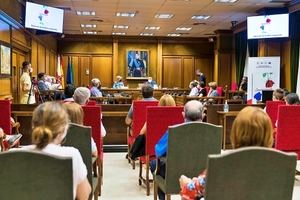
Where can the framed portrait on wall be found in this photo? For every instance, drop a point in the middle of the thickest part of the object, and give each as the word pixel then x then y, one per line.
pixel 137 64
pixel 5 60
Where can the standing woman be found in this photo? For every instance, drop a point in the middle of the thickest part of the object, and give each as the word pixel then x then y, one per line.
pixel 50 124
pixel 26 87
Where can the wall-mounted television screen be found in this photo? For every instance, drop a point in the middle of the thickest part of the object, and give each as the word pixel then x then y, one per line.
pixel 44 18
pixel 268 26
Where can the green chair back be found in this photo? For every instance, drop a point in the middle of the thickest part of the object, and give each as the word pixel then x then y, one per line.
pixel 29 175
pixel 252 173
pixel 188 147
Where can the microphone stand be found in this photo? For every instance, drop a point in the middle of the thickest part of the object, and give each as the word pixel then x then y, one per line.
pixel 30 91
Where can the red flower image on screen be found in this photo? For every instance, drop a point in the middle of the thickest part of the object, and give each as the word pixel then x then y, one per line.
pixel 269 83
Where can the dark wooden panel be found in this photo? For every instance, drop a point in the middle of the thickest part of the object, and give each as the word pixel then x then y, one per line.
pixel 84 70
pixel 188 71
pixel 205 65
pixel 41 61
pixel 172 76
pixel 102 69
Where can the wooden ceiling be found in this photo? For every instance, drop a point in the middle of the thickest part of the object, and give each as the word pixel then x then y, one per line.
pixel 222 15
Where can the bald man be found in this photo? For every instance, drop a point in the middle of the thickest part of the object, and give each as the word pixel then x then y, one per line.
pixel 193 111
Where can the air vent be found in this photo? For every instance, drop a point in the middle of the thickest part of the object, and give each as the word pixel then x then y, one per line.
pixel 64 8
pixel 96 20
pixel 199 23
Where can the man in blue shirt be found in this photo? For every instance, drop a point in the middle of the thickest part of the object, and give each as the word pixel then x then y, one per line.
pixel 95 91
pixel 193 111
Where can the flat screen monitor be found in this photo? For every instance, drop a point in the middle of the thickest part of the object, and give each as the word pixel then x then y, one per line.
pixel 267 95
pixel 268 26
pixel 44 18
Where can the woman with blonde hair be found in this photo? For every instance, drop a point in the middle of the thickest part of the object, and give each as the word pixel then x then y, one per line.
pixel 50 124
pixel 138 147
pixel 76 114
pixel 252 127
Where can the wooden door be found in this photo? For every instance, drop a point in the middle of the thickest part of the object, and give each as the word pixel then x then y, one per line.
pixel 17 59
pixel 172 72
pixel 188 71
pixel 205 65
pixel 102 69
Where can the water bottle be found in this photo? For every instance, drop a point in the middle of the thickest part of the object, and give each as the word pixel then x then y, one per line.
pixel 226 107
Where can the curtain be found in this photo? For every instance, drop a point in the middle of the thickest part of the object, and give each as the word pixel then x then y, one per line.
pixel 295 38
pixel 253 48
pixel 240 53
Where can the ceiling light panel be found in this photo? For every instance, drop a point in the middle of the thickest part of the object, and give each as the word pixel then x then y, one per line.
pixel 226 1
pixel 118 33
pixel 90 32
pixel 204 17
pixel 164 16
pixel 88 25
pixel 125 14
pixel 152 28
pixel 174 34
pixel 146 34
pixel 183 28
pixel 85 13
pixel 121 26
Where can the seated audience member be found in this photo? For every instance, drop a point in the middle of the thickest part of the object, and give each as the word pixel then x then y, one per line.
pixel 194 88
pixel 42 86
pixel 278 95
pixel 95 90
pixel 81 96
pixel 212 89
pixel 138 147
pixel 69 92
pixel 202 89
pixel 118 83
pixel 244 83
pixel 192 112
pixel 2 136
pixel 50 124
pixel 75 113
pixel 147 93
pixel 152 82
pixel 252 127
pixel 292 99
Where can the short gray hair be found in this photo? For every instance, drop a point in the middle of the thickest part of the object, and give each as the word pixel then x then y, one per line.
pixel 193 111
pixel 81 95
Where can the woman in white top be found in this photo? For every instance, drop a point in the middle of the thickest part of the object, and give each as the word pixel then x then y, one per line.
pixel 50 124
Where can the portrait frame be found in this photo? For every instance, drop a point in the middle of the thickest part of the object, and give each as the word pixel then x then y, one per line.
pixel 137 64
pixel 5 60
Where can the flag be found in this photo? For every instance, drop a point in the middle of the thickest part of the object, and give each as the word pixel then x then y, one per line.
pixel 59 75
pixel 70 73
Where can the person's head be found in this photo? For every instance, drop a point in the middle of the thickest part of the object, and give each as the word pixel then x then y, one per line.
pixel 147 91
pixel 119 78
pixel 278 94
pixel 149 79
pixel 292 99
pixel 213 85
pixel 193 111
pixel 26 67
pixel 41 76
pixel 81 95
pixel 95 82
pixel 193 84
pixel 202 84
pixel 75 112
pixel 245 79
pixel 166 100
pixel 49 123
pixel 252 127
pixel 69 91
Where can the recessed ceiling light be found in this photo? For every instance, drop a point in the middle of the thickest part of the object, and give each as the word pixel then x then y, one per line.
pixel 200 17
pixel 118 33
pixel 121 26
pixel 164 16
pixel 146 34
pixel 90 32
pixel 86 13
pixel 183 28
pixel 88 25
pixel 174 34
pixel 125 14
pixel 152 27
pixel 226 1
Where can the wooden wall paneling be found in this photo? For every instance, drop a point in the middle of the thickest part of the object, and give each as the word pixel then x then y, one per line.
pixel 41 58
pixel 34 57
pixel 76 71
pixel 52 63
pixel 47 61
pixel 285 70
pixel 102 69
pixel 224 70
pixel 205 65
pixel 188 71
pixel 20 37
pixel 159 64
pixel 5 87
pixel 216 67
pixel 262 49
pixel 4 32
pixel 273 48
pixel 84 62
pixel 65 66
pixel 172 76
pixel 17 59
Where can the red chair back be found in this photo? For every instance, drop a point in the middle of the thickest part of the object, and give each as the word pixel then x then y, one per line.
pixel 288 129
pixel 139 115
pixel 234 86
pixel 158 120
pixel 220 91
pixel 5 108
pixel 91 103
pixel 272 110
pixel 92 117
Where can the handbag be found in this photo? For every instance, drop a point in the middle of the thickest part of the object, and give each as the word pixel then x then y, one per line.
pixel 138 147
